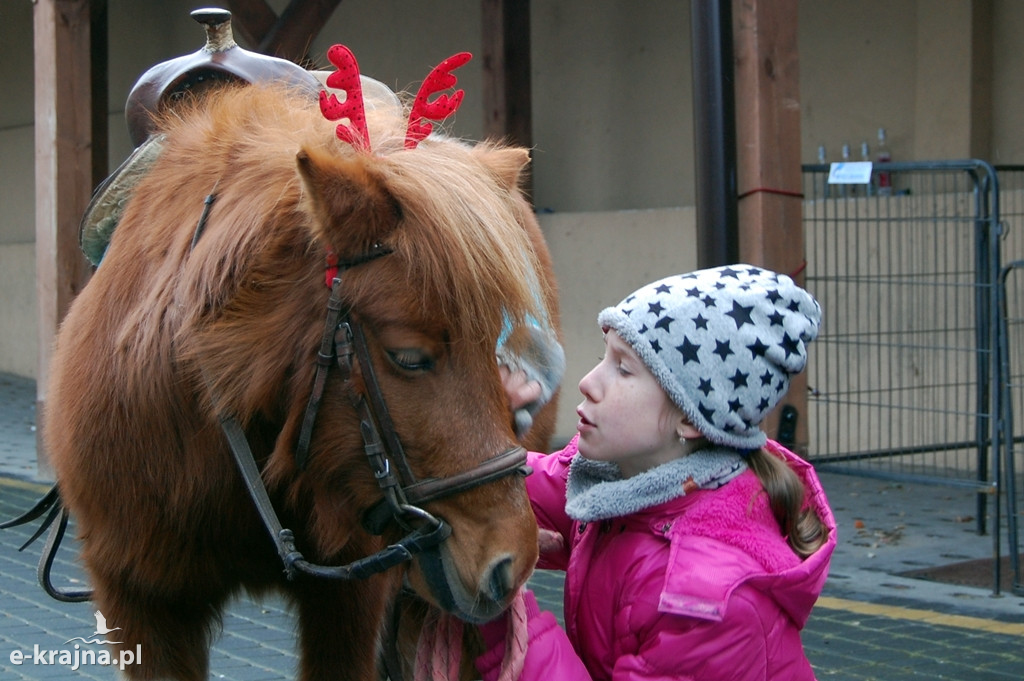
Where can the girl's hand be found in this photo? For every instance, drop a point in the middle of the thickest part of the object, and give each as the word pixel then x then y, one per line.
pixel 531 375
pixel 520 390
pixel 549 541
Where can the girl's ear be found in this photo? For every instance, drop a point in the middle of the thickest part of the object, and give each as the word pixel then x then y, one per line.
pixel 687 431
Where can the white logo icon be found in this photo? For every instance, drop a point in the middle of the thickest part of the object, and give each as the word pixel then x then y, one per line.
pixel 82 654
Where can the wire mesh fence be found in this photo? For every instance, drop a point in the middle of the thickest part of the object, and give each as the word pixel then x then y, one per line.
pixel 901 376
pixel 905 377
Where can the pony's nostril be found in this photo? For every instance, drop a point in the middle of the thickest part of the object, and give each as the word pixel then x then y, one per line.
pixel 500 583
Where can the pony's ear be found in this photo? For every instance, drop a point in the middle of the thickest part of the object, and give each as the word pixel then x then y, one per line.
pixel 352 207
pixel 507 164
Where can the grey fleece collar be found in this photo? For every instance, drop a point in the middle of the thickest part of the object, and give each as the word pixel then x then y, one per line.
pixel 596 490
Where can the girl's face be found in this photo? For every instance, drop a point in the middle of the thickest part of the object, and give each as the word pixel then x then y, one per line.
pixel 625 416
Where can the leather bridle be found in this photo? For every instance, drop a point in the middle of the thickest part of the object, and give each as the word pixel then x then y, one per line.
pixel 403 494
pixel 343 343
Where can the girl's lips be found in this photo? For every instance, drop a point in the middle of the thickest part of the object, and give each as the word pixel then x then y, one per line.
pixel 584 421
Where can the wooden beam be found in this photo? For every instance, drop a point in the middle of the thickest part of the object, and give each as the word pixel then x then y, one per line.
pixel 251 19
pixel 288 36
pixel 768 151
pixel 65 165
pixel 300 23
pixel 507 89
pixel 99 68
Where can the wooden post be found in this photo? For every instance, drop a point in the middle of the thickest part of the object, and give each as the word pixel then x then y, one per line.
pixel 64 162
pixel 769 180
pixel 508 107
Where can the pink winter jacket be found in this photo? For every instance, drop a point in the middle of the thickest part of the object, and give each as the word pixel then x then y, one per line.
pixel 700 587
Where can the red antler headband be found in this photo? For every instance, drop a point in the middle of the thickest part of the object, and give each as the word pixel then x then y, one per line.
pixel 346 78
pixel 440 78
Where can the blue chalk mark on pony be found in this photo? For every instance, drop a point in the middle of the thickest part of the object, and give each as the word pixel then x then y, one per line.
pixel 542 359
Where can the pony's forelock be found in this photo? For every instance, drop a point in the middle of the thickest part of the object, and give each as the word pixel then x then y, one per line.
pixel 465 247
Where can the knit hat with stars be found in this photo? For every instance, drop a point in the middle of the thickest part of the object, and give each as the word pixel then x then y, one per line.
pixel 722 342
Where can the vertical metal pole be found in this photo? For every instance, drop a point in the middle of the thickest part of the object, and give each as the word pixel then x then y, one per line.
pixel 714 132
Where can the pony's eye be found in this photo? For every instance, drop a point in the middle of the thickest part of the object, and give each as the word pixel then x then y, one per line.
pixel 411 359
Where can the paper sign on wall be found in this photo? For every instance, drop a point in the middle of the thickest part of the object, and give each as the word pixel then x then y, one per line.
pixel 853 172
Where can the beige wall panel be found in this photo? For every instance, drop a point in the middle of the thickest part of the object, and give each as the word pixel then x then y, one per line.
pixel 17 186
pixel 1008 82
pixel 857 74
pixel 942 123
pixel 18 309
pixel 600 258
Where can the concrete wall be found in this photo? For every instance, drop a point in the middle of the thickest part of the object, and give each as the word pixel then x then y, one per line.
pixel 18 309
pixel 600 258
pixel 613 157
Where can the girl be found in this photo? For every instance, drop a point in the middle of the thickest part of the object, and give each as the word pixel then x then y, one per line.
pixel 694 547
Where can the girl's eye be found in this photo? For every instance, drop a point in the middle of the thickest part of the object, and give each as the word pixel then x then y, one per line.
pixel 411 359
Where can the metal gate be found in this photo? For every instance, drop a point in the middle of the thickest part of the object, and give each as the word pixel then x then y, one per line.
pixel 904 377
pixel 1011 182
pixel 1012 355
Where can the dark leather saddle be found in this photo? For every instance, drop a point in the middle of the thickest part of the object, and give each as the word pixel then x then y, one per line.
pixel 164 86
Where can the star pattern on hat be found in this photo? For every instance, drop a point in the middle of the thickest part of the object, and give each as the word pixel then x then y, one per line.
pixel 791 346
pixel 664 323
pixel 740 314
pixel 689 351
pixel 725 343
pixel 757 348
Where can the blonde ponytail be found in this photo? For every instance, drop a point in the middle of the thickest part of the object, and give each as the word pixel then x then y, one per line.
pixel 802 527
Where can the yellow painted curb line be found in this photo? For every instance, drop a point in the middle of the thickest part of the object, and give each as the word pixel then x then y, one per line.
pixel 40 487
pixel 926 616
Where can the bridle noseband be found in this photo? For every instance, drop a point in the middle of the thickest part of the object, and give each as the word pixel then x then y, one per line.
pixel 343 343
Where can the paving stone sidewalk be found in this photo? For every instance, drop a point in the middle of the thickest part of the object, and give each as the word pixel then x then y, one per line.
pixel 871 623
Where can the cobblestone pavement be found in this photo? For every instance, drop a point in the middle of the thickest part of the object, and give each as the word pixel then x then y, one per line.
pixel 870 624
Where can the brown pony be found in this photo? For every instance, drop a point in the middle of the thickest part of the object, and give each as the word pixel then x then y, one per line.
pixel 180 326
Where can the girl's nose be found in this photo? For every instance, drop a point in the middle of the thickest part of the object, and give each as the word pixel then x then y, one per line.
pixel 588 384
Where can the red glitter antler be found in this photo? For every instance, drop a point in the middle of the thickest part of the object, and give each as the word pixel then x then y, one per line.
pixel 440 78
pixel 346 78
